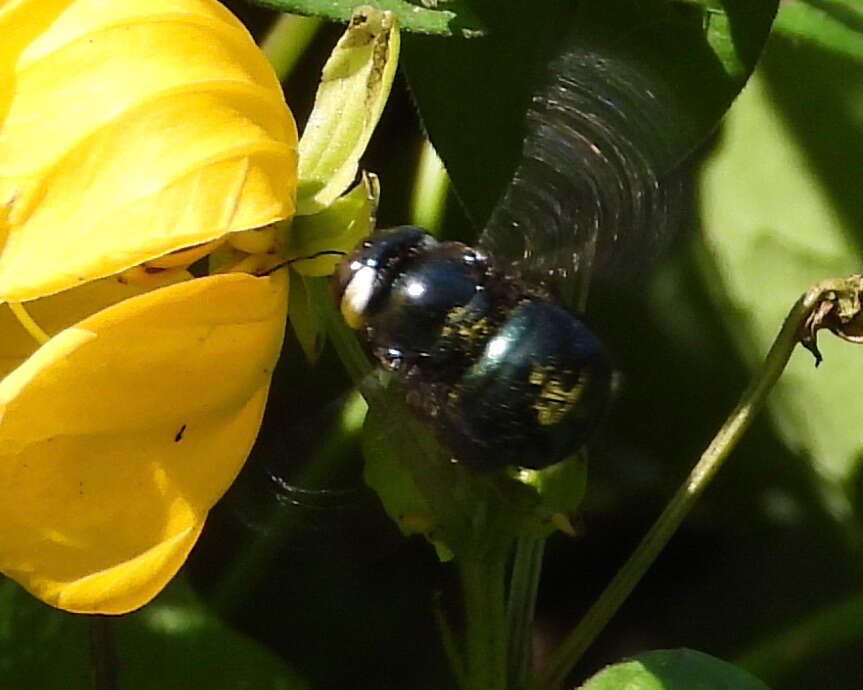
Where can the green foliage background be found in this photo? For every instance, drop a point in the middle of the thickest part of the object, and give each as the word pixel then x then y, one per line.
pixel 768 571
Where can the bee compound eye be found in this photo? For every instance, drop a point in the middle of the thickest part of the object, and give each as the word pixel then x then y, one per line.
pixel 356 285
pixel 342 276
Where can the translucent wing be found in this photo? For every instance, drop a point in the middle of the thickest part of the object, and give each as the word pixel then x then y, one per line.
pixel 597 181
pixel 292 480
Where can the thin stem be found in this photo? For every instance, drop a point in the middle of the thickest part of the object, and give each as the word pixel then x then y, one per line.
pixel 428 198
pixel 286 41
pixel 554 673
pixel 450 647
pixel 485 622
pixel 524 584
pixel 103 659
pixel 29 324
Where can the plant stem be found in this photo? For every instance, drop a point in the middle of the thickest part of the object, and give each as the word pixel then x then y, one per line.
pixel 485 621
pixel 29 323
pixel 103 659
pixel 286 41
pixel 554 673
pixel 450 647
pixel 524 583
pixel 428 197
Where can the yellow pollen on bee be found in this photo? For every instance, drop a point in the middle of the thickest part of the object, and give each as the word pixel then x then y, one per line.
pixel 470 332
pixel 554 400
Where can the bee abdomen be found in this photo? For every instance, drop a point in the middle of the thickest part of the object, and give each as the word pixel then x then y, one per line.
pixel 534 395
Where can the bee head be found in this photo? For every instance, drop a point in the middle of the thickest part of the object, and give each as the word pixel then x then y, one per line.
pixel 363 278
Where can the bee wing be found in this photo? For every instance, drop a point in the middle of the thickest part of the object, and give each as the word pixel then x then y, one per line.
pixel 598 186
pixel 277 488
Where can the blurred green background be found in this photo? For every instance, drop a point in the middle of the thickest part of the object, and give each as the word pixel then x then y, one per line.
pixel 766 572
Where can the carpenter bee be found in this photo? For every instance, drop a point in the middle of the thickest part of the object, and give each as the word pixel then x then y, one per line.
pixel 505 372
pixel 486 340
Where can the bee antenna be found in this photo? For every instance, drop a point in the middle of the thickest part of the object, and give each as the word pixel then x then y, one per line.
pixel 324 252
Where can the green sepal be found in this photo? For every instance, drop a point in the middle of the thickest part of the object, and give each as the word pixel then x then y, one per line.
pixel 560 488
pixel 340 228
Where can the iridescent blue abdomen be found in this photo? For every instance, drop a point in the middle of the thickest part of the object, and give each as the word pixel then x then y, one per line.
pixel 506 375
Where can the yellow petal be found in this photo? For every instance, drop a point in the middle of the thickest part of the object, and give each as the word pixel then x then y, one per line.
pixel 134 128
pixel 119 434
pixel 56 312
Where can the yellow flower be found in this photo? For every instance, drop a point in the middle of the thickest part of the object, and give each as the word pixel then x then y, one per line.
pixel 135 137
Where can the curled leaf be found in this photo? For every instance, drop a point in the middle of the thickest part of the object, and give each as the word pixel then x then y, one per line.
pixel 354 87
pixel 838 308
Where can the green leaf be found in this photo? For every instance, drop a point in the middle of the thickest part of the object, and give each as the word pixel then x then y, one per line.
pixel 304 319
pixel 402 499
pixel 473 95
pixel 673 669
pixel 445 17
pixel 462 512
pixel 41 647
pixel 173 642
pixel 190 647
pixel 782 208
pixel 407 468
pixel 354 86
